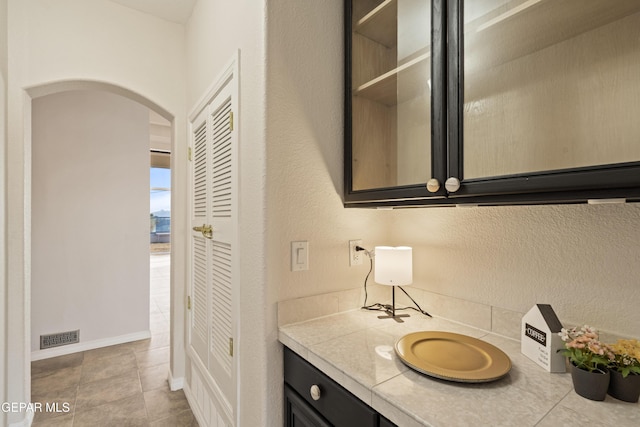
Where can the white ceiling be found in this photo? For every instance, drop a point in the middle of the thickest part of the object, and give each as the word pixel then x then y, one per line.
pixel 177 11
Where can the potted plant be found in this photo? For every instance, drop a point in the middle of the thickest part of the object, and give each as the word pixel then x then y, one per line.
pixel 625 371
pixel 589 359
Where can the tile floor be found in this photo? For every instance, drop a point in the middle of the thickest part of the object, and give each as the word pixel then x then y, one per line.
pixel 121 385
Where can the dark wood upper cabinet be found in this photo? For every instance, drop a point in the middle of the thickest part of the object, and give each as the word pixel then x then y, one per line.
pixel 491 102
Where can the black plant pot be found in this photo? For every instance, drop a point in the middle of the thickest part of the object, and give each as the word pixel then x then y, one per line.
pixel 590 385
pixel 625 389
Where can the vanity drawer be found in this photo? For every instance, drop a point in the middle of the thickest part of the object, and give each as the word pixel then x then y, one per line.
pixel 334 403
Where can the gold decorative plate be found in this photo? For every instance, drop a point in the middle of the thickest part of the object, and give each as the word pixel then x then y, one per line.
pixel 453 357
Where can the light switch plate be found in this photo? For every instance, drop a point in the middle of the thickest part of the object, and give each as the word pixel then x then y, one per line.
pixel 299 256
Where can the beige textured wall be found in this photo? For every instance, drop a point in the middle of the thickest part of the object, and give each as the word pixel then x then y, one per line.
pixel 304 152
pixel 584 260
pixel 3 243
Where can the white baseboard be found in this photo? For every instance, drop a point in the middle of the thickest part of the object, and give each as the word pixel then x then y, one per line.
pixel 175 383
pixel 89 345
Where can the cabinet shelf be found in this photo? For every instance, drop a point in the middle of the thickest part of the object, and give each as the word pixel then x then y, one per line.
pixel 385 90
pixel 381 24
pixel 523 27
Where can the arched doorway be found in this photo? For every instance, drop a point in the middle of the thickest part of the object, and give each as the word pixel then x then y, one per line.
pixel 38 93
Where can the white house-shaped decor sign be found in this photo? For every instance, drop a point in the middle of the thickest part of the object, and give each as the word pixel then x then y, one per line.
pixel 540 341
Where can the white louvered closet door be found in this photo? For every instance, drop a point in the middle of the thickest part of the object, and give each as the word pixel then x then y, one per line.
pixel 224 220
pixel 214 265
pixel 200 265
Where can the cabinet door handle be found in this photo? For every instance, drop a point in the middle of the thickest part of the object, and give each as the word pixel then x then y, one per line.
pixel 452 184
pixel 433 185
pixel 315 392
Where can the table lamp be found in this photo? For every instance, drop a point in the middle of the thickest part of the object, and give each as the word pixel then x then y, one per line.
pixel 393 267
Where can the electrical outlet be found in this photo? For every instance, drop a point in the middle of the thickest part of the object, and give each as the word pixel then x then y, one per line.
pixel 355 257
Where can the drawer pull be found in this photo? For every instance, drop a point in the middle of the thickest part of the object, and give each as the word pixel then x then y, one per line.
pixel 315 392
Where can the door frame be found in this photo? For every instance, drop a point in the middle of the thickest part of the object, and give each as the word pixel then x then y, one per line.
pixel 228 409
pixel 18 276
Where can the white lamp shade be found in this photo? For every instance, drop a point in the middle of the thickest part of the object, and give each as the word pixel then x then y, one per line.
pixel 393 266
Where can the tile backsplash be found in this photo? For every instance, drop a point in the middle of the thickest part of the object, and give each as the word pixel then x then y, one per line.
pixel 489 318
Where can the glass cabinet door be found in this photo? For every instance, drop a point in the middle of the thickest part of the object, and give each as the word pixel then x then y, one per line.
pixel 547 85
pixel 390 93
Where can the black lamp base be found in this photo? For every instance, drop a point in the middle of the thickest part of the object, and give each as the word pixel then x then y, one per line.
pixel 396 317
pixel 391 312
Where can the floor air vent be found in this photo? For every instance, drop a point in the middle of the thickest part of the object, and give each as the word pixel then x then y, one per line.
pixel 62 338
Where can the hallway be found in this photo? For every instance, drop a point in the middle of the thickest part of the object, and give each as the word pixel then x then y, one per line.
pixel 121 385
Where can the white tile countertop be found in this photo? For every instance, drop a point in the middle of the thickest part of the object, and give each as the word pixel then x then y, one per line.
pixel 355 349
